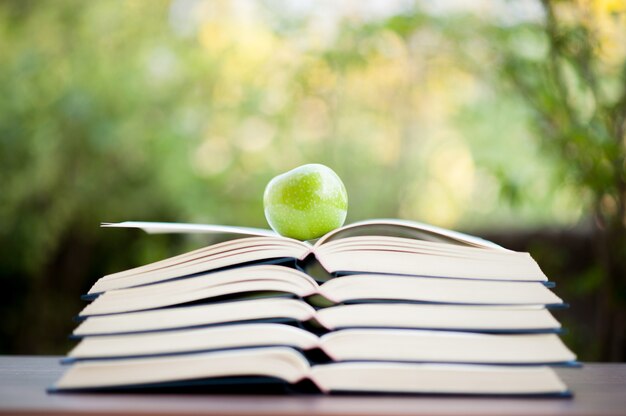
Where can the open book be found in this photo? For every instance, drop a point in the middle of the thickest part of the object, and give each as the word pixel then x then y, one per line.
pixel 285 365
pixel 374 344
pixel 267 279
pixel 487 319
pixel 376 246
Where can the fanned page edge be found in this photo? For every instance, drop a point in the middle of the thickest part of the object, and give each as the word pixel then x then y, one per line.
pixel 462 238
pixel 174 227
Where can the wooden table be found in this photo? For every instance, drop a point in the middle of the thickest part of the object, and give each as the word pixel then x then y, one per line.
pixel 600 389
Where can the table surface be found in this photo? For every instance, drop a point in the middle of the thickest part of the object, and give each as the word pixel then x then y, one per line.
pixel 599 389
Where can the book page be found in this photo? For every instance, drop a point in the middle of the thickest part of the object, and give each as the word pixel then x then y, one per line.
pixel 280 362
pixel 436 378
pixel 177 227
pixel 407 229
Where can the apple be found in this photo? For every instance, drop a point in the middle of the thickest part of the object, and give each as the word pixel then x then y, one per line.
pixel 306 202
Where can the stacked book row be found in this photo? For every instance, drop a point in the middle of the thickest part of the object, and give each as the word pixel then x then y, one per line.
pixel 382 306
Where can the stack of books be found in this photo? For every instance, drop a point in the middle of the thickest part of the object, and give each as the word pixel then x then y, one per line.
pixel 381 306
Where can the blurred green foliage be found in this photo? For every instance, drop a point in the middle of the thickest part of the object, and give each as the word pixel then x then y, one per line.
pixel 499 121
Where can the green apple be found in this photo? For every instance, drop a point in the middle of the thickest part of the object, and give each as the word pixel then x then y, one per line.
pixel 306 202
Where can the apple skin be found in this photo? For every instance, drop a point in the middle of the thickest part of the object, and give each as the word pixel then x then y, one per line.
pixel 306 202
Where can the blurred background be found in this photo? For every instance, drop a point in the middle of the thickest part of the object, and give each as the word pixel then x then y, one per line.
pixel 505 119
